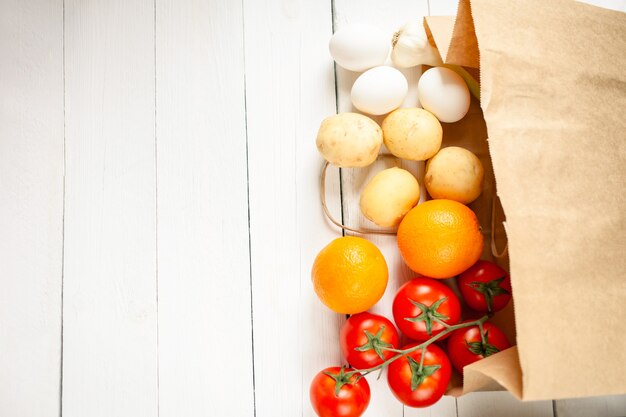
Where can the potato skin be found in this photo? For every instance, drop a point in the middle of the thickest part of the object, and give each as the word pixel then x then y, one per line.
pixel 413 134
pixel 454 174
pixel 349 140
pixel 389 195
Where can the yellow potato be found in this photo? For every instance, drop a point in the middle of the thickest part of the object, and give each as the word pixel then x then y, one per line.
pixel 413 134
pixel 349 140
pixel 389 196
pixel 455 174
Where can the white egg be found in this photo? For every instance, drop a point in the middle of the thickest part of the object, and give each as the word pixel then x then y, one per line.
pixel 358 46
pixel 379 90
pixel 444 93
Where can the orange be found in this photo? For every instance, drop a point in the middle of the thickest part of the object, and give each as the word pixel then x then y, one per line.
pixel 349 275
pixel 440 238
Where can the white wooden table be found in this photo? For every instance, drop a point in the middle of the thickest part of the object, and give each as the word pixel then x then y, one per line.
pixel 159 209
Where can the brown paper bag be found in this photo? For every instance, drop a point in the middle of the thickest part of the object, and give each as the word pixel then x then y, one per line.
pixel 553 95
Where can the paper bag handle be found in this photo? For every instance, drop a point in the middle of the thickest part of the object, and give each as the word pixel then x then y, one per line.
pixel 337 222
pixel 494 249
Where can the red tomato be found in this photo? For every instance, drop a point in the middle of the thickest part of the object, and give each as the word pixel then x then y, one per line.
pixel 333 394
pixel 465 345
pixel 364 338
pixel 422 301
pixel 420 389
pixel 485 287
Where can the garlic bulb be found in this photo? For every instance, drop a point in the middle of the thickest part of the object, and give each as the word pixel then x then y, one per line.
pixel 411 47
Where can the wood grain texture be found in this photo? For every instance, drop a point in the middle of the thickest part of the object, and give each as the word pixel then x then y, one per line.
pixel 497 404
pixel 156 209
pixel 611 406
pixel 290 89
pixel 110 314
pixel 203 259
pixel 31 206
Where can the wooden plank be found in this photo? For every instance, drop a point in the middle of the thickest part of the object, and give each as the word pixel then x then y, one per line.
pixel 31 206
pixel 498 404
pixel 442 7
pixel 619 5
pixel 387 18
pixel 110 315
pixel 203 254
pixel 290 89
pixel 611 406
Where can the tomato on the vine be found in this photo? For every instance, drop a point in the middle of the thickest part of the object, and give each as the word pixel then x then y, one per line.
pixel 485 287
pixel 335 394
pixel 364 338
pixel 466 346
pixel 417 387
pixel 421 304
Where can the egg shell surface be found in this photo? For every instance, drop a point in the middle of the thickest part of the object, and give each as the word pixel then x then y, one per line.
pixel 379 90
pixel 444 93
pixel 359 46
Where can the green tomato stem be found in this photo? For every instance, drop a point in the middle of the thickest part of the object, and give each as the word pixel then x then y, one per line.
pixel 393 350
pixel 404 352
pixel 483 339
pixel 443 323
